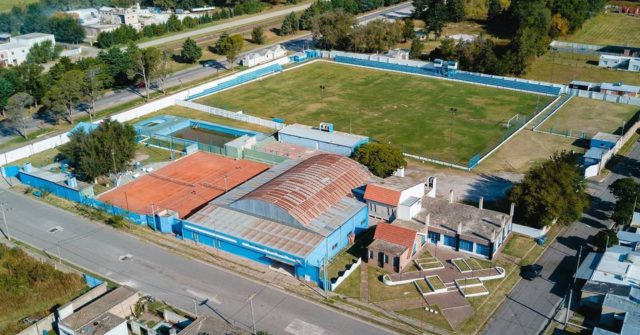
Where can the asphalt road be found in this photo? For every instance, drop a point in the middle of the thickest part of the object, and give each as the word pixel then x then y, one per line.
pixel 175 279
pixel 532 304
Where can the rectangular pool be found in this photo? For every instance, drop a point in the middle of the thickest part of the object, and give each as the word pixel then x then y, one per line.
pixel 205 136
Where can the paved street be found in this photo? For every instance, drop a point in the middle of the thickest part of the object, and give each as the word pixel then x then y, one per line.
pixel 532 304
pixel 175 279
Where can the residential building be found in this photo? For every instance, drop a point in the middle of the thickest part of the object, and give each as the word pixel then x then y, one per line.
pixel 15 51
pixel 263 56
pixel 620 62
pixel 104 316
pixel 620 314
pixel 322 138
pixel 388 203
pixel 394 247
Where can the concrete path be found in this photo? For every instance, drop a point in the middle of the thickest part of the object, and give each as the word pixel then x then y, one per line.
pixel 364 282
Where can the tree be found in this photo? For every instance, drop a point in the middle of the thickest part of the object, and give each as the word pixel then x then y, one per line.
pixel 376 36
pixel 95 80
pixel 63 96
pixel 289 24
pixel 35 84
pixel 107 149
pixel 416 49
pixel 41 53
pixel 605 239
pixel 551 192
pixel 17 111
pixel 191 52
pixel 380 158
pixel 229 46
pixel 164 71
pixel 174 24
pixel 66 28
pixel 408 29
pixel 257 35
pixel 6 90
pixel 435 17
pixel 455 10
pixel 144 63
pixel 626 192
pixel 332 30
pixel 559 26
pixel 495 9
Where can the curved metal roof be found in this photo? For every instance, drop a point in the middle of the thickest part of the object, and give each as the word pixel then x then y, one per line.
pixel 306 191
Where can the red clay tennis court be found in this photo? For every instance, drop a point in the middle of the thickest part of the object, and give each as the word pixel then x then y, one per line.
pixel 183 186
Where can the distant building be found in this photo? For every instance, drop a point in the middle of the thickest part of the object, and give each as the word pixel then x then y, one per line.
pixel 15 51
pixel 263 56
pixel 322 138
pixel 398 53
pixel 463 37
pixel 86 16
pixel 620 62
pixel 104 316
pixel 620 89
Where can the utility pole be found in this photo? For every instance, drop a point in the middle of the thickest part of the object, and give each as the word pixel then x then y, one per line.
pixel 566 316
pixel 253 320
pixel 113 159
pixel 6 225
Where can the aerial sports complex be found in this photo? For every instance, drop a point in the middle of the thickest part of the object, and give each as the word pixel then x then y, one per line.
pixel 294 199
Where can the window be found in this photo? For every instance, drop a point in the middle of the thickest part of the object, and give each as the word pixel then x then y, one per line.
pixel 333 247
pixel 434 237
pixel 450 241
pixel 386 259
pixel 466 245
pixel 370 254
pixel 483 250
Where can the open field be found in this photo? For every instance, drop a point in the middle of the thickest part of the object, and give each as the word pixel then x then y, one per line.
pixel 608 29
pixel 29 289
pixel 404 110
pixel 525 150
pixel 590 116
pixel 6 5
pixel 563 67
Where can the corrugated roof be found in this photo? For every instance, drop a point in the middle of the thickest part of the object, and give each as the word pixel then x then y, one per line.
pixel 382 195
pixel 335 137
pixel 257 230
pixel 620 87
pixel 98 307
pixel 395 234
pixel 304 193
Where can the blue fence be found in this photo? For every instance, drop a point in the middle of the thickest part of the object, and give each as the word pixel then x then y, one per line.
pixel 51 187
pixel 241 79
pixel 10 171
pixel 459 75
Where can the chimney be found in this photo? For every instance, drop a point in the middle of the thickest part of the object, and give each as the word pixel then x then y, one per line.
pixel 459 228
pixel 481 204
pixel 512 210
pixel 450 196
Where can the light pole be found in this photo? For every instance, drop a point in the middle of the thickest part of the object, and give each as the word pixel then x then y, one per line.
pixel 253 320
pixel 4 219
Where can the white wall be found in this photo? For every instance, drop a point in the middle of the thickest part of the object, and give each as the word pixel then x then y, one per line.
pixel 413 191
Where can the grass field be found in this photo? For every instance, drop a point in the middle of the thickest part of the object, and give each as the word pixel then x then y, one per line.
pixel 406 111
pixel 590 116
pixel 608 29
pixel 563 67
pixel 6 5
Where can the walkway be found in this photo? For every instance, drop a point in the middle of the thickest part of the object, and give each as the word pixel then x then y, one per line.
pixel 364 282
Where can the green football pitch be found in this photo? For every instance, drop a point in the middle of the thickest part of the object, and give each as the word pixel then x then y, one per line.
pixel 411 112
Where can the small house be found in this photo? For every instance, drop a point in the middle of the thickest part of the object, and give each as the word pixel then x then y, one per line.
pixel 263 56
pixel 604 140
pixel 388 203
pixel 394 247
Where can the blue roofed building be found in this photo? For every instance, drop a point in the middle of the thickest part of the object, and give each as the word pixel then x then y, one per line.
pixel 323 138
pixel 295 216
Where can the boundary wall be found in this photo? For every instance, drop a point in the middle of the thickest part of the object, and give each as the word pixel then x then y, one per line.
pixel 604 97
pixel 230 115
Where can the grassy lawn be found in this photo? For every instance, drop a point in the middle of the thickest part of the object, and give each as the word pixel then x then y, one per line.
pixel 6 5
pixel 427 317
pixel 478 264
pixel 433 265
pixel 474 289
pixel 378 291
pixel 339 264
pixel 563 67
pixel 590 116
pixel 424 287
pixel 416 117
pixel 461 265
pixel 153 155
pixel 350 287
pixel 608 29
pixel 518 245
pixel 40 159
pixel 525 150
pixel 29 288
pixel 435 282
pixel 469 281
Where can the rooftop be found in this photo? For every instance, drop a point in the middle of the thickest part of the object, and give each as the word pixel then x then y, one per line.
pixel 620 87
pixel 605 288
pixel 606 137
pixel 335 137
pixel 210 326
pixel 595 153
pixel 581 83
pixel 396 235
pixel 31 36
pixel 635 221
pixel 315 194
pixel 98 310
pixel 475 222
pixel 617 266
pixel 387 247
pixel 382 194
pixel 628 236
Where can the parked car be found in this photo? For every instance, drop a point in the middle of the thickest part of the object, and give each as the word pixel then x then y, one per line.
pixel 209 63
pixel 531 271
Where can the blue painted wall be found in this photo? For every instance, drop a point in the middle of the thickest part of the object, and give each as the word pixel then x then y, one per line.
pixel 49 186
pixel 596 143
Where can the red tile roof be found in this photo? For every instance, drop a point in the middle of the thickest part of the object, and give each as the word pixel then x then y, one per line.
pixel 382 195
pixel 395 234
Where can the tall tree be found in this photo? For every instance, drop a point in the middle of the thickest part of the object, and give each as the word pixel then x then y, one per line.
pixel 95 80
pixel 416 49
pixel 164 71
pixel 65 94
pixel 257 35
pixel 66 28
pixel 626 191
pixel 43 52
pixel 605 238
pixel 380 158
pixel 289 25
pixel 35 84
pixel 17 112
pixel 494 11
pixel 455 10
pixel 435 17
pixel 551 192
pixel 144 64
pixel 191 52
pixel 6 90
pixel 408 29
pixel 332 30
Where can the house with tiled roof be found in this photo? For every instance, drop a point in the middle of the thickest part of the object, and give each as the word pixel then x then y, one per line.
pixel 394 247
pixel 389 203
